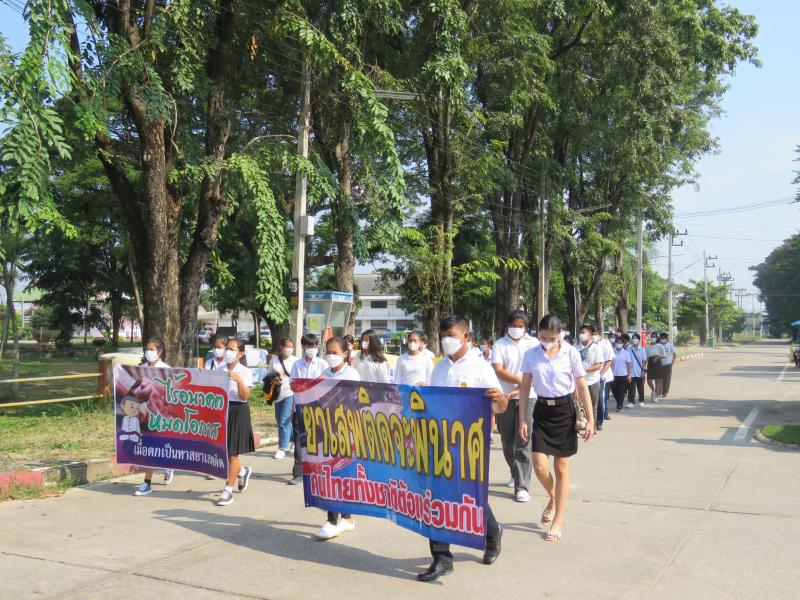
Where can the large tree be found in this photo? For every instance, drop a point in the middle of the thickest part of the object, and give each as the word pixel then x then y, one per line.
pixel 778 282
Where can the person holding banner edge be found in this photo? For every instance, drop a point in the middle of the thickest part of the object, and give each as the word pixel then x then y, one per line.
pixel 555 371
pixel 240 429
pixel 461 368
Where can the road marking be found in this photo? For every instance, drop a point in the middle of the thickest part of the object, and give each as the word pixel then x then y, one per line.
pixel 741 433
pixel 783 373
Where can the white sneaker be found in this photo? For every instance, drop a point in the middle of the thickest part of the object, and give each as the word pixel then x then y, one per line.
pixel 523 496
pixel 631 405
pixel 279 454
pixel 225 498
pixel 655 400
pixel 143 490
pixel 511 483
pixel 346 525
pixel 327 531
pixel 653 397
pixel 169 475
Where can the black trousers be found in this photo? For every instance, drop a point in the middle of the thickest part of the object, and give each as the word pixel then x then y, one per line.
pixel 333 517
pixel 516 452
pixel 297 468
pixel 637 384
pixel 441 550
pixel 607 393
pixel 666 378
pixel 620 389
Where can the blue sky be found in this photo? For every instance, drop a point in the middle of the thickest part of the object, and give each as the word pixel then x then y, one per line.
pixel 757 137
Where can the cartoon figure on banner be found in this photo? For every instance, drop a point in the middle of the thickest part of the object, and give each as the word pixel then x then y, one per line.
pixel 131 431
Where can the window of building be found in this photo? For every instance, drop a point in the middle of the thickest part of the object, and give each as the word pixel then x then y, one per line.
pixel 405 325
pixel 379 324
pixel 378 304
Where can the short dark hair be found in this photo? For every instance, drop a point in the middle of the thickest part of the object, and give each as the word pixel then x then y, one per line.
pixel 221 338
pixel 626 337
pixel 423 337
pixel 453 321
pixel 663 334
pixel 309 339
pixel 284 341
pixel 517 315
pixel 419 334
pixel 339 341
pixel 587 327
pixel 350 339
pixel 240 347
pixel 550 323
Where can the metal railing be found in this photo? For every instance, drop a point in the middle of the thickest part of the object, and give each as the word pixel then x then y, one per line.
pixel 4 405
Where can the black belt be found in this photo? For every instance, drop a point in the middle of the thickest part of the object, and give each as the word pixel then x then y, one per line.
pixel 554 401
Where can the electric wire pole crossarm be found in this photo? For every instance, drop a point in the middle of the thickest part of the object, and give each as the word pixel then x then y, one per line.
pixel 706 266
pixel 670 282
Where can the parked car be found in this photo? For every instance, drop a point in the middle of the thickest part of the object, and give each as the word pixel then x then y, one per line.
pixel 204 336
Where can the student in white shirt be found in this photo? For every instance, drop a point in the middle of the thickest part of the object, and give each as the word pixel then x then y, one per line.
pixel 592 359
pixel 555 372
pixel 461 368
pixel 337 356
pixel 622 369
pixel 655 356
pixel 154 352
pixel 506 360
pixel 217 362
pixel 309 366
pixel 240 427
pixel 370 363
pixel 639 374
pixel 486 348
pixel 424 341
pixel 282 363
pixel 606 377
pixel 413 367
pixel 666 364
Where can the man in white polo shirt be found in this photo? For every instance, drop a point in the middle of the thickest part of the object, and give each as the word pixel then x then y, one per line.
pixel 666 364
pixel 507 362
pixel 461 368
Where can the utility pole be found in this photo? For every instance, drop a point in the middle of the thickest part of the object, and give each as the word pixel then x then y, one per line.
pixel 639 274
pixel 705 290
pixel 300 217
pixel 670 283
pixel 724 278
pixel 542 295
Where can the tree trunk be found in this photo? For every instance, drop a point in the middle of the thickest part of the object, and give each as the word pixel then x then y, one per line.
pixel 9 278
pixel 345 261
pixel 623 301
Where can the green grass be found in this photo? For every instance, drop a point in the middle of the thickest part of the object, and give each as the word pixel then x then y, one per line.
pixel 786 434
pixel 32 366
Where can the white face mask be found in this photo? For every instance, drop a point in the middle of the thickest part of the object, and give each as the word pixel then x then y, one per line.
pixel 451 345
pixel 484 347
pixel 365 345
pixel 231 356
pixel 583 336
pixel 334 360
pixel 548 345
pixel 219 352
pixel 635 343
pixel 516 333
pixel 618 346
pixel 151 356
pixel 287 352
pixel 413 346
pixel 310 352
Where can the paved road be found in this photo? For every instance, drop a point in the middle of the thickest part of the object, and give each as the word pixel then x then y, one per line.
pixel 671 501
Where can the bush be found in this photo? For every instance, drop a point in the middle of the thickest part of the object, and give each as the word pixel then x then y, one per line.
pixel 682 338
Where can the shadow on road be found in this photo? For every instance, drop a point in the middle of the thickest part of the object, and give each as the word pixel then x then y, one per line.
pixel 293 541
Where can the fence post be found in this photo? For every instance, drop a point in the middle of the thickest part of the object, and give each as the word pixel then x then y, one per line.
pixel 104 382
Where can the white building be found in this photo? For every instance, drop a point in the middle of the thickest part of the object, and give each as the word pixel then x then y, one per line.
pixel 379 309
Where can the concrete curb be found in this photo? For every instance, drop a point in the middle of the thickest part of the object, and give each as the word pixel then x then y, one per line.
pixel 768 442
pixel 86 471
pixel 690 356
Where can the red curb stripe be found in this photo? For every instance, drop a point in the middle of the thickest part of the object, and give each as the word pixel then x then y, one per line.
pixel 27 479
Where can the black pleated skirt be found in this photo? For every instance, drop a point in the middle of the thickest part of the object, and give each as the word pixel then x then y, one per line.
pixel 654 369
pixel 553 430
pixel 240 429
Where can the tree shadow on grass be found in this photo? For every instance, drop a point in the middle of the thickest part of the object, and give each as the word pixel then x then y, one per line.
pixel 293 541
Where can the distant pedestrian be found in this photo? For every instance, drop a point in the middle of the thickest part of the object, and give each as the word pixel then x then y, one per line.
pixel 413 366
pixel 666 364
pixel 486 349
pixel 655 354
pixel 555 372
pixel 425 349
pixel 606 377
pixel 638 364
pixel 592 359
pixel 351 348
pixel 370 363
pixel 622 369
pixel 282 363
pixel 217 361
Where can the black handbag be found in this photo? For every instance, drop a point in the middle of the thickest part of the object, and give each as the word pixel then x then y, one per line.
pixel 272 384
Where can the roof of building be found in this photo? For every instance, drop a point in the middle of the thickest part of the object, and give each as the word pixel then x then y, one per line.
pixel 369 285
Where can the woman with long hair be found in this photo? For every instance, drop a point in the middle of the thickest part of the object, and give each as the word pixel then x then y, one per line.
pixel 370 363
pixel 555 372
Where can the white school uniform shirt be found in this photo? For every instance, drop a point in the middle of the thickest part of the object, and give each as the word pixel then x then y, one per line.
pixel 668 350
pixel 308 370
pixel 590 356
pixel 429 354
pixel 213 365
pixel 641 363
pixel 347 373
pixel 233 387
pixel 160 364
pixel 656 351
pixel 553 378
pixel 370 370
pixel 607 352
pixel 411 370
pixel 469 371
pixel 509 353
pixel 286 386
pixel 620 362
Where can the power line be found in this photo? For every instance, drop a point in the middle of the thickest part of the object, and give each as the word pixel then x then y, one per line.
pixel 735 209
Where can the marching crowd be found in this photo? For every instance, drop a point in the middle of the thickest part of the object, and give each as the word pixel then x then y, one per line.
pixel 540 384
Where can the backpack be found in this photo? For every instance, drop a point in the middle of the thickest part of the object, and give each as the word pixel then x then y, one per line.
pixel 272 384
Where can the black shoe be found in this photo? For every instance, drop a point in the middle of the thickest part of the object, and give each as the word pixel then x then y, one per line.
pixel 295 481
pixel 438 568
pixel 606 417
pixel 493 552
pixel 599 427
